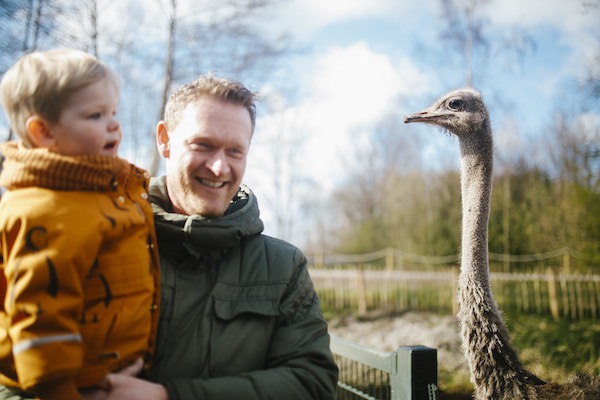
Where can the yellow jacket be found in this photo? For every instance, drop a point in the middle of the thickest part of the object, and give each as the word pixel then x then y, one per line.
pixel 80 268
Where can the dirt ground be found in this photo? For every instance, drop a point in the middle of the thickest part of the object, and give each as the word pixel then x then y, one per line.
pixel 388 332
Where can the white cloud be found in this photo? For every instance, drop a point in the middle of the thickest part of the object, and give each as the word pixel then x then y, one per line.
pixel 350 89
pixel 569 15
pixel 304 17
pixel 354 83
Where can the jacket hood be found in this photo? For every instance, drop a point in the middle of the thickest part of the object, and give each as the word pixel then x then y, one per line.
pixel 197 233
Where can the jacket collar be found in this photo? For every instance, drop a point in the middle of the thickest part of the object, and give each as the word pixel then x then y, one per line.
pixel 24 167
pixel 198 234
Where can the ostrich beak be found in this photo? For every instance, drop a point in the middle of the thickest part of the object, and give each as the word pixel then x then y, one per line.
pixel 426 116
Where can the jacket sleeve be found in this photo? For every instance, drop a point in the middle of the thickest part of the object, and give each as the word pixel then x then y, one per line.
pixel 43 302
pixel 300 364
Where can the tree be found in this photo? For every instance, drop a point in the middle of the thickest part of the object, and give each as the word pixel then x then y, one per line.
pixel 464 30
pixel 281 141
pixel 468 35
pixel 10 30
pixel 575 151
pixel 373 207
pixel 231 42
pixel 23 26
pixel 211 35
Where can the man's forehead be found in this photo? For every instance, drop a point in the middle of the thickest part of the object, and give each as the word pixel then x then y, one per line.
pixel 216 120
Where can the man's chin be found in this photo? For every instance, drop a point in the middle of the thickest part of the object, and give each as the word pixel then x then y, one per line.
pixel 209 211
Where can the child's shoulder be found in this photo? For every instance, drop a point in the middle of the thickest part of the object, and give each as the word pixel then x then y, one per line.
pixel 38 203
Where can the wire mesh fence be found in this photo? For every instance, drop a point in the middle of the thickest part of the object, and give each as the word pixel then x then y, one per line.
pixel 365 373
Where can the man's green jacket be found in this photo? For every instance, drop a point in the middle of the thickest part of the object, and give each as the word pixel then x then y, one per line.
pixel 239 316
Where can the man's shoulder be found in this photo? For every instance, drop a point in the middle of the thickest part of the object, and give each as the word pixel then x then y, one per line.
pixel 277 247
pixel 277 258
pixel 276 242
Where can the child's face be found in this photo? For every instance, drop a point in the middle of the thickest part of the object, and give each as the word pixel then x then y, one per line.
pixel 88 123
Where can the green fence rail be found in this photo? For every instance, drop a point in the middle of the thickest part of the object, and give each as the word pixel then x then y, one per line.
pixel 410 373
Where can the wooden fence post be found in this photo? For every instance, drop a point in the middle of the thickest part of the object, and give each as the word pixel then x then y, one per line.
pixel 566 261
pixel 454 292
pixel 552 293
pixel 319 258
pixel 389 259
pixel 362 292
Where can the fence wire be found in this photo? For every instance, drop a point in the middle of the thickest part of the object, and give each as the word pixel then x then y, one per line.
pixel 359 381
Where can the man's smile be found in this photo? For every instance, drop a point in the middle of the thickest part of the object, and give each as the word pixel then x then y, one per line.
pixel 210 183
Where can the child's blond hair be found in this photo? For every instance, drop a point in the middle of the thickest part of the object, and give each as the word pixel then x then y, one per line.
pixel 41 82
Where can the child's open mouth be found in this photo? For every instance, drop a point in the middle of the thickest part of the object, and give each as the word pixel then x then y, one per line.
pixel 110 146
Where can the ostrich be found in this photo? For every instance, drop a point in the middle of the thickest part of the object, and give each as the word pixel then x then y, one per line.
pixel 496 371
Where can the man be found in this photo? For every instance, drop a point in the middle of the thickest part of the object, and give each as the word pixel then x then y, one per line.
pixel 239 317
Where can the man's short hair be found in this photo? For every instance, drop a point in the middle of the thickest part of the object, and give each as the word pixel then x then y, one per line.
pixel 223 89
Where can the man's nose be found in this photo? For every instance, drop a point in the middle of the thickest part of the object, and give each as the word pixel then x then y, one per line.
pixel 218 164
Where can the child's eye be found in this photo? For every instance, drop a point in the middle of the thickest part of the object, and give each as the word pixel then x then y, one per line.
pixel 96 115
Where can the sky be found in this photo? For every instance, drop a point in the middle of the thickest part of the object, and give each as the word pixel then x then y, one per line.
pixel 361 60
pixel 360 57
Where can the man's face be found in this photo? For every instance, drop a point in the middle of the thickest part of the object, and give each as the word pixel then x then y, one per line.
pixel 205 156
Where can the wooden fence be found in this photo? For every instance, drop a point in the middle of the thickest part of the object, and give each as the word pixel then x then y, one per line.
pixel 394 259
pixel 363 288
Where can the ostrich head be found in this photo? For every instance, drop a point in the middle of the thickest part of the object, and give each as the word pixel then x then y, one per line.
pixel 461 112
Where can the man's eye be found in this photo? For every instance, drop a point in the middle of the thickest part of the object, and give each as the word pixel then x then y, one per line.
pixel 237 153
pixel 199 146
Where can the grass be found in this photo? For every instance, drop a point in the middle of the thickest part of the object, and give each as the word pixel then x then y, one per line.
pixel 558 349
pixel 553 350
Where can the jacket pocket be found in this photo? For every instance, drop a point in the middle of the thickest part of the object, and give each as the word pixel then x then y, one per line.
pixel 231 301
pixel 228 309
pixel 243 324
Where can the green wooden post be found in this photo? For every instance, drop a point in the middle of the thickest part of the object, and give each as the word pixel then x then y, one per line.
pixel 416 376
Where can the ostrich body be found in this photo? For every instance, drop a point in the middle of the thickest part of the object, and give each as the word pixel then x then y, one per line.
pixel 496 371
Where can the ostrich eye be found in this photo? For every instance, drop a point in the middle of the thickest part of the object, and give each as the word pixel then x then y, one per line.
pixel 456 104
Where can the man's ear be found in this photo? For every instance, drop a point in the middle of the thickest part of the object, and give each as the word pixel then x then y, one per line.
pixel 38 130
pixel 163 139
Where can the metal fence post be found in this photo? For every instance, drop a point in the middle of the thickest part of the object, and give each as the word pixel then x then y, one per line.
pixel 416 375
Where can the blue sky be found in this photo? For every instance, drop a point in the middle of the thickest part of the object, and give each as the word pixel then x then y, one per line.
pixel 366 58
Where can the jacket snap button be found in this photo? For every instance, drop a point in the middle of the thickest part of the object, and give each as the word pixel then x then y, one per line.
pixel 144 196
pixel 121 199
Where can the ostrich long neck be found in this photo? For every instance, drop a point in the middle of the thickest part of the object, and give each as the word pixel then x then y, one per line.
pixel 476 187
pixel 495 368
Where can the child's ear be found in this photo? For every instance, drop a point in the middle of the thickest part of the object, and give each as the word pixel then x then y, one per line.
pixel 39 132
pixel 163 139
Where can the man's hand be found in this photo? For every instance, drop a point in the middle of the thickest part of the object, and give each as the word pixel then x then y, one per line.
pixel 124 385
pixel 101 392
